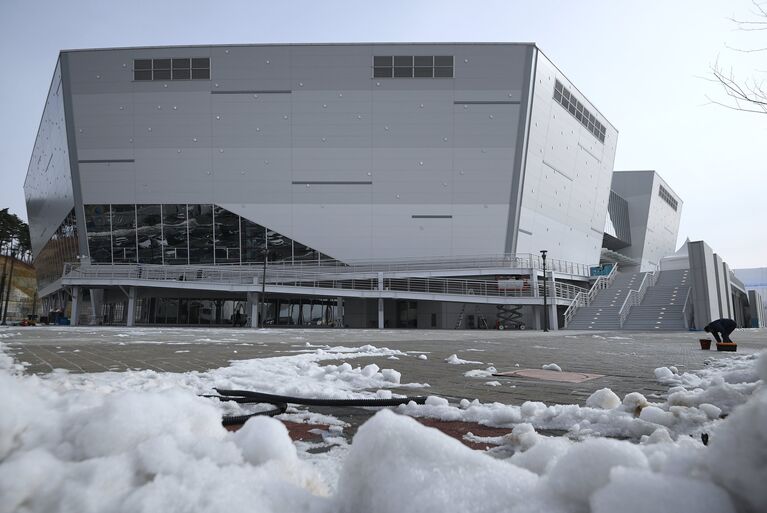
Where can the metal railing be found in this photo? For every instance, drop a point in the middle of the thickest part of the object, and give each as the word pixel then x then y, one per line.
pixel 635 297
pixel 252 277
pixel 505 260
pixel 585 298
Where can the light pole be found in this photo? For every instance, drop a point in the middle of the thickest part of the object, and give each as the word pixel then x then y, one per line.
pixel 545 304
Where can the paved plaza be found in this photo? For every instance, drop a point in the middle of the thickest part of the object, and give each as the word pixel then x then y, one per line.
pixel 625 360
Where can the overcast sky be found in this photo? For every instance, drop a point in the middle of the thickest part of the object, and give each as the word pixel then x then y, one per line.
pixel 643 64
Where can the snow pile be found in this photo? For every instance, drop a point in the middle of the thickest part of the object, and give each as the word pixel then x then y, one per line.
pixel 454 360
pixel 552 367
pixel 478 373
pixel 604 399
pixel 397 465
pixel 146 442
pixel 738 452
pixel 686 411
pixel 140 451
pixel 632 491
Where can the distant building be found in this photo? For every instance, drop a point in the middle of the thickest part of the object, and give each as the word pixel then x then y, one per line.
pixel 399 185
pixel 643 220
pixel 755 280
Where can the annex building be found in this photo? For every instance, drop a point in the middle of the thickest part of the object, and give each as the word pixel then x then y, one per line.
pixel 360 185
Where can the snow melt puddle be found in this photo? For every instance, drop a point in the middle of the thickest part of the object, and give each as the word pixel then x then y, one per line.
pixel 143 441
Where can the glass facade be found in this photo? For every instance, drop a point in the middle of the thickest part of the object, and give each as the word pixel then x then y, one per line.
pixel 123 234
pixel 60 249
pixel 185 234
pixel 306 312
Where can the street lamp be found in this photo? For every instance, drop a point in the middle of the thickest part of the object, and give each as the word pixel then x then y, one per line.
pixel 545 305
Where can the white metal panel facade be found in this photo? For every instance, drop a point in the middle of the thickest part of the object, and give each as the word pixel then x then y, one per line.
pixel 567 175
pixel 412 167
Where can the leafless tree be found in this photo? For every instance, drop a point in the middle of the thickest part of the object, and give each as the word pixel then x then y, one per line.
pixel 748 95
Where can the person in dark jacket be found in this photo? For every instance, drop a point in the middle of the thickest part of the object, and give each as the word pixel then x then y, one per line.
pixel 723 327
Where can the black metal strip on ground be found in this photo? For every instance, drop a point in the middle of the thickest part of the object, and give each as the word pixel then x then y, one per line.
pixel 308 401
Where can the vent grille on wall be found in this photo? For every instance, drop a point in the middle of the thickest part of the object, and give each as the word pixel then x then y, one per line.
pixel 667 197
pixel 566 99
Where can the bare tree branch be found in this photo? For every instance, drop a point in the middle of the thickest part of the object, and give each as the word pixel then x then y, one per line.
pixel 744 95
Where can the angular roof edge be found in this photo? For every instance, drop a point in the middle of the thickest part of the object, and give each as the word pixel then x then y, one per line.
pixel 254 45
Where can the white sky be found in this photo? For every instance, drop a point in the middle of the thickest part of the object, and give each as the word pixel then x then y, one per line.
pixel 641 63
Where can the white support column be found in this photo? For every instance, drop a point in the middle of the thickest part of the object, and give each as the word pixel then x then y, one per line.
pixel 380 302
pixel 131 306
pixel 97 303
pixel 553 320
pixel 253 309
pixel 534 279
pixel 537 314
pixel 339 312
pixel 75 320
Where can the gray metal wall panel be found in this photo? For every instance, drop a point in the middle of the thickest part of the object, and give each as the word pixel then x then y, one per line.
pixel 48 186
pixel 704 293
pixel 421 150
pixel 567 176
pixel 654 224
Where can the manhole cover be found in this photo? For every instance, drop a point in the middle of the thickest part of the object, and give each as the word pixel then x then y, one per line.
pixel 549 375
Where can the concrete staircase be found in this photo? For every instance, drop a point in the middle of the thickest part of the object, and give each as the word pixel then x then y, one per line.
pixel 602 314
pixel 661 308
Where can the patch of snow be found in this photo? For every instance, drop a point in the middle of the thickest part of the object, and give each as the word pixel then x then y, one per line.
pixel 478 373
pixel 493 383
pixel 454 360
pixel 552 367
pixel 604 399
pixel 422 357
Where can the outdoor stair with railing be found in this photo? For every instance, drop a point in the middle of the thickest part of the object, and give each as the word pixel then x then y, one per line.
pixel 662 307
pixel 602 312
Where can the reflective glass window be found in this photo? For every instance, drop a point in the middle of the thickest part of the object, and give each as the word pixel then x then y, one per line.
pixel 174 234
pixel 124 234
pixel 382 60
pixel 62 247
pixel 382 72
pixel 99 229
pixel 443 72
pixel 149 230
pixel 304 253
pixel 280 248
pixel 253 241
pixel 200 234
pixel 167 310
pixel 227 236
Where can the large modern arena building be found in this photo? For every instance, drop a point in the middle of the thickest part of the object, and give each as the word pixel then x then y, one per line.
pixel 360 185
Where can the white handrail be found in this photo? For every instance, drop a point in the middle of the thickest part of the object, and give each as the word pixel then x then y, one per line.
pixel 253 276
pixel 635 297
pixel 585 298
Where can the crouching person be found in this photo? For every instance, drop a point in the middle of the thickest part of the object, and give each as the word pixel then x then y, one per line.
pixel 721 327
